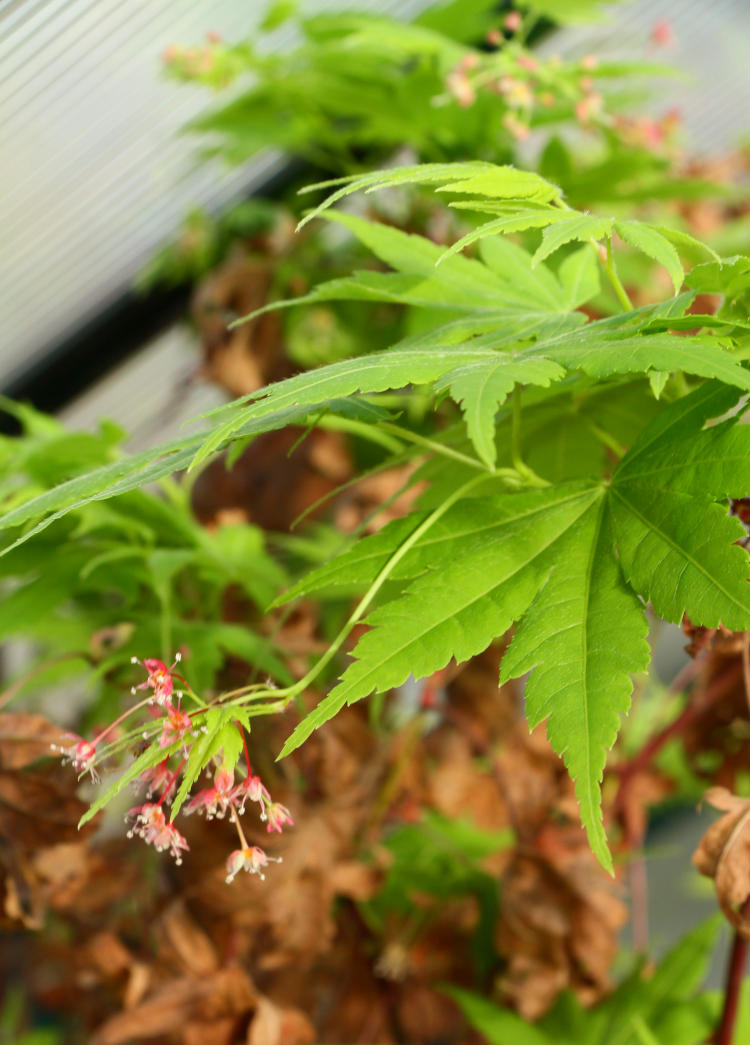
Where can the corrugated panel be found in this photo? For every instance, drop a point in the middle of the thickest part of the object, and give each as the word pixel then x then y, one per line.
pixel 94 175
pixel 710 46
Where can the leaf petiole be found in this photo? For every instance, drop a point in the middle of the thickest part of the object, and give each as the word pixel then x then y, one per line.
pixel 614 279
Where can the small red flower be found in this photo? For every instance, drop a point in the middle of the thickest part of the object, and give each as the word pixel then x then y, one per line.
pixel 251 859
pixel 458 84
pixel 159 679
pixel 81 755
pixel 277 816
pixel 150 824
pixel 251 789
pixel 159 780
pixel 661 33
pixel 214 801
pixel 176 724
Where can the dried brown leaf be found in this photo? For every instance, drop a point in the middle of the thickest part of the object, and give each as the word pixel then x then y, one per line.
pixel 724 855
pixel 193 949
pixel 25 738
pixel 228 993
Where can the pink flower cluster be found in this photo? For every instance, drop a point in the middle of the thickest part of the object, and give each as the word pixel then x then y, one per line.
pixel 224 795
pixel 149 821
pixel 523 82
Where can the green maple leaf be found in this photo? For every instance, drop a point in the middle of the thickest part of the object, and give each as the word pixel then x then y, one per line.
pixel 574 564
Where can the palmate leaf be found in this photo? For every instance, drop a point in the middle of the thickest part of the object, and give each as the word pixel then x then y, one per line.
pixel 510 219
pixel 581 227
pixel 521 200
pixel 427 276
pixel 469 525
pixel 574 564
pixel 678 550
pixel 598 355
pixel 651 241
pixel 376 372
pixel 579 277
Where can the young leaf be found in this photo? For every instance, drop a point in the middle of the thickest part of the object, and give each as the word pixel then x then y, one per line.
pixel 478 178
pixel 579 277
pixel 201 753
pixel 689 245
pixel 511 220
pixel 649 240
pixel 481 386
pixel 150 757
pixel 576 227
pixel 130 473
pixel 598 352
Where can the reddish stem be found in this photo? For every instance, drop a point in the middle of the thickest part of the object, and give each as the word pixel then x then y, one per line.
pixel 732 990
pixel 171 781
pixel 244 744
pixel 119 719
pixel 718 688
pixel 638 876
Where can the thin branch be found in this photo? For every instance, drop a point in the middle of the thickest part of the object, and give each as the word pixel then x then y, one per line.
pixel 746 665
pixel 733 986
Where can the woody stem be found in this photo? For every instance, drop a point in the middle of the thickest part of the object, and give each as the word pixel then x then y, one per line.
pixel 121 718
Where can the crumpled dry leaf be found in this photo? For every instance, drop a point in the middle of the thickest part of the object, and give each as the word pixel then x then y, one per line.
pixel 558 926
pixel 178 1004
pixel 273 1025
pixel 724 855
pixel 25 738
pixel 275 479
pixel 22 900
pixel 107 954
pixel 38 809
pixel 193 949
pixel 250 356
pixel 427 1015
